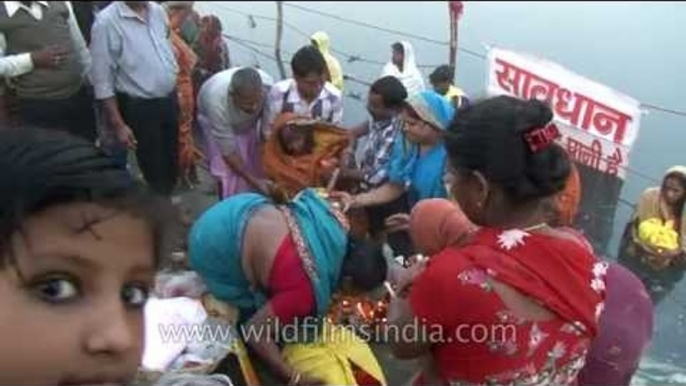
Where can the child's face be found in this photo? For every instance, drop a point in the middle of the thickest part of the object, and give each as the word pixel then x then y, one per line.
pixel 441 87
pixel 76 314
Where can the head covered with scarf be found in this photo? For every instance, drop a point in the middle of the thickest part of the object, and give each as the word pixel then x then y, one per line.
pixel 422 172
pixel 431 108
pixel 296 172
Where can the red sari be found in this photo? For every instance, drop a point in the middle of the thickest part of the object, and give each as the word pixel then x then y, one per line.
pixel 456 294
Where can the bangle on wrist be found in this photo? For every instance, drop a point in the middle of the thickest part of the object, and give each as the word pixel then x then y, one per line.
pixel 294 379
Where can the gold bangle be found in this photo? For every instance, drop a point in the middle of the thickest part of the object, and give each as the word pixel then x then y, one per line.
pixel 295 378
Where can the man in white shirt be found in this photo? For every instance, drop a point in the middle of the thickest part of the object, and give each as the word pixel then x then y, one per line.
pixel 307 93
pixel 231 106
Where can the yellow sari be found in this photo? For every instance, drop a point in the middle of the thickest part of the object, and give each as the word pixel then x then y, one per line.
pixel 334 356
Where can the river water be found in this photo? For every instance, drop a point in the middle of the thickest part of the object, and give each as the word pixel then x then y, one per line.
pixel 633 47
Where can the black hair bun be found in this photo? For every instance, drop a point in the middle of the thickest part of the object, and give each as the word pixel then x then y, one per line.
pixel 489 136
pixel 364 265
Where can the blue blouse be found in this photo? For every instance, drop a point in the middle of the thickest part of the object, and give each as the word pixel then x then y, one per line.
pixel 420 174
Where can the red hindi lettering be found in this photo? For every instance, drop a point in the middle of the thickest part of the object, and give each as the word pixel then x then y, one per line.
pixel 591 155
pixel 614 162
pixel 608 120
pixel 541 89
pixel 573 148
pixel 564 98
pixel 510 78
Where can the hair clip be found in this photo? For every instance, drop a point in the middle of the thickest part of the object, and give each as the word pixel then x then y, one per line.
pixel 540 138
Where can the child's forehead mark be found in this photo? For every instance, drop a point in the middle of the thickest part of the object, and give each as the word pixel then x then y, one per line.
pixel 88 218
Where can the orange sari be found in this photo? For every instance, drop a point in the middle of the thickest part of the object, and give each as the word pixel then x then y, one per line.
pixel 294 173
pixel 186 59
pixel 568 200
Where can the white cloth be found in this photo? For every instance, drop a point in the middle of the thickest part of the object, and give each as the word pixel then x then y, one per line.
pixel 16 65
pixel 410 77
pixel 330 98
pixel 169 325
pixel 184 379
pixel 13 65
pixel 216 105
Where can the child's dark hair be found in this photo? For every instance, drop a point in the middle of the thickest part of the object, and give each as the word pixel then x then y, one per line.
pixel 391 90
pixel 44 168
pixel 488 137
pixel 444 73
pixel 307 131
pixel 364 265
pixel 308 60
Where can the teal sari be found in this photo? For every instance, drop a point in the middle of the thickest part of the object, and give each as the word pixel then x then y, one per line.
pixel 216 242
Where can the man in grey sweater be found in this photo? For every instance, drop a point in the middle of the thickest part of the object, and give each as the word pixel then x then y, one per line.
pixel 57 96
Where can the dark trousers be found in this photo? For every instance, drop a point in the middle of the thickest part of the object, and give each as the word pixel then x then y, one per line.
pixel 74 114
pixel 154 123
pixel 400 242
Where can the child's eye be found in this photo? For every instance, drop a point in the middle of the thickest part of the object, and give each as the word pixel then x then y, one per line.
pixel 57 290
pixel 135 295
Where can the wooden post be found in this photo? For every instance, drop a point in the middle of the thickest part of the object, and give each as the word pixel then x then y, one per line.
pixel 455 9
pixel 452 59
pixel 279 33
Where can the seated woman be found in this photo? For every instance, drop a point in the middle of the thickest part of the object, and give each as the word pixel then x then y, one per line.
pixel 279 264
pixel 534 294
pixel 659 265
pixel 417 165
pixel 80 242
pixel 302 153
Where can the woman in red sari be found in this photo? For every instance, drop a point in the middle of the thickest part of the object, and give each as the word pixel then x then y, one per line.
pixel 517 305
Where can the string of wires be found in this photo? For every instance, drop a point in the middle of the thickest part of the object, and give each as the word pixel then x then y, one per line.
pixel 350 58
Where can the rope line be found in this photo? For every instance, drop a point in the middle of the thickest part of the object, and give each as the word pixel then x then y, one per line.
pixel 367 83
pixel 358 58
pixel 367 25
pixel 664 109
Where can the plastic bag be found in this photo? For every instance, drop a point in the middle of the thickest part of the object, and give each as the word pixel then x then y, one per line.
pixel 215 343
pixel 654 233
pixel 167 323
pixel 179 284
pixel 173 379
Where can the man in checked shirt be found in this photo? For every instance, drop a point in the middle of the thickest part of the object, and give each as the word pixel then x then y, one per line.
pixel 384 103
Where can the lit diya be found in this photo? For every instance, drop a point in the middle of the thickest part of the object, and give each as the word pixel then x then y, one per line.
pixel 360 313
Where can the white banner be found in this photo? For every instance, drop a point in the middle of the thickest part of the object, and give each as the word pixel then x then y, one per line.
pixel 599 125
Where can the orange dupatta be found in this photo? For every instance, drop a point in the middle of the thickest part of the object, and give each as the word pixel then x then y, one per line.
pixel 294 173
pixel 568 200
